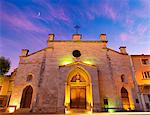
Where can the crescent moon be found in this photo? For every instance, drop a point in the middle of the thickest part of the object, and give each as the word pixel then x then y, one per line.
pixel 39 14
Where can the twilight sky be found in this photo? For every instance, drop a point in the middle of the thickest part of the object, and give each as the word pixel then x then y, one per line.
pixel 26 24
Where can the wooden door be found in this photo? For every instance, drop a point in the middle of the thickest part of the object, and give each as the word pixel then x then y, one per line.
pixel 125 98
pixel 78 97
pixel 26 97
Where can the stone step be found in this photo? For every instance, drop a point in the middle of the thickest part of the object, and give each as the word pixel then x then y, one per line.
pixel 23 110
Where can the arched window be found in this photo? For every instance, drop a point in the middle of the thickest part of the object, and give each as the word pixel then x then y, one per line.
pixel 122 78
pixel 29 78
pixel 125 98
pixel 26 97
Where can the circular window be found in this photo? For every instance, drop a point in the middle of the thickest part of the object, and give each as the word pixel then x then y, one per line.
pixel 76 53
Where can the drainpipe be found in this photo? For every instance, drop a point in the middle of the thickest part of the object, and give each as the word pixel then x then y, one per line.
pixel 135 84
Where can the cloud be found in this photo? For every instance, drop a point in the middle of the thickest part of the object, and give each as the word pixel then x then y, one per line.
pixel 129 21
pixel 21 22
pixel 124 36
pixel 19 19
pixel 141 29
pixel 104 9
pixel 109 11
pixel 55 13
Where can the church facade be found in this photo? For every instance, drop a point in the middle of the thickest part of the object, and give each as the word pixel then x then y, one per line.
pixel 75 75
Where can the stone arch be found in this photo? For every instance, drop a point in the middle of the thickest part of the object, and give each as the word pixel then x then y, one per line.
pixel 26 97
pixel 125 98
pixel 78 86
pixel 80 70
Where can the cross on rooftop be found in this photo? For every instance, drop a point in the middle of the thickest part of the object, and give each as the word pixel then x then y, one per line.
pixel 77 28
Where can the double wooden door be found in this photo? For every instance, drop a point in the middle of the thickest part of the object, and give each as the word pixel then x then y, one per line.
pixel 78 97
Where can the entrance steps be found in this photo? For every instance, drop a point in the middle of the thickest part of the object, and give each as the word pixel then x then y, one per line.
pixel 77 111
pixel 23 110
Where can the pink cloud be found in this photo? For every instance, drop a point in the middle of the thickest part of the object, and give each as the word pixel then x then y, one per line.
pixel 143 11
pixel 124 36
pixel 129 21
pixel 21 22
pixel 110 12
pixel 104 9
pixel 141 29
pixel 19 19
pixel 55 13
pixel 90 15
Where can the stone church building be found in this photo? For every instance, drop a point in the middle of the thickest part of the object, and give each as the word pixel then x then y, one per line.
pixel 71 75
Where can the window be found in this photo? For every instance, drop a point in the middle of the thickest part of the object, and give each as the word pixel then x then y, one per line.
pixel 1 103
pixel 147 105
pixel 105 101
pixel 76 53
pixel 146 74
pixel 122 78
pixel 145 61
pixel 148 97
pixel 29 78
pixel 137 101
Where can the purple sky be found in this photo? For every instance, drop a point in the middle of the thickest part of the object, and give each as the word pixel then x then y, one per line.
pixel 26 24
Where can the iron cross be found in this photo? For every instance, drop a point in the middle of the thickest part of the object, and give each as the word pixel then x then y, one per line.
pixel 77 28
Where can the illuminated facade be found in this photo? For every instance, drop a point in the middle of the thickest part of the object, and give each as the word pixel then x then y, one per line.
pixel 141 67
pixel 6 86
pixel 75 75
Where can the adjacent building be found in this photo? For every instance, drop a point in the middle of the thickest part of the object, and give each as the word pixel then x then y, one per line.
pixel 141 68
pixel 6 86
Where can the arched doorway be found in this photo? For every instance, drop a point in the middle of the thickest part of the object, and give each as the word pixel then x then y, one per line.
pixel 26 97
pixel 125 98
pixel 78 90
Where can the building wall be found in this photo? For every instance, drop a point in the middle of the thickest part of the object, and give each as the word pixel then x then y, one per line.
pixel 48 81
pixel 142 82
pixel 120 65
pixel 27 65
pixel 6 84
pixel 139 68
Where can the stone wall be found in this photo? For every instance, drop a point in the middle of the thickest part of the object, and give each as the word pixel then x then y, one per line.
pixel 49 80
